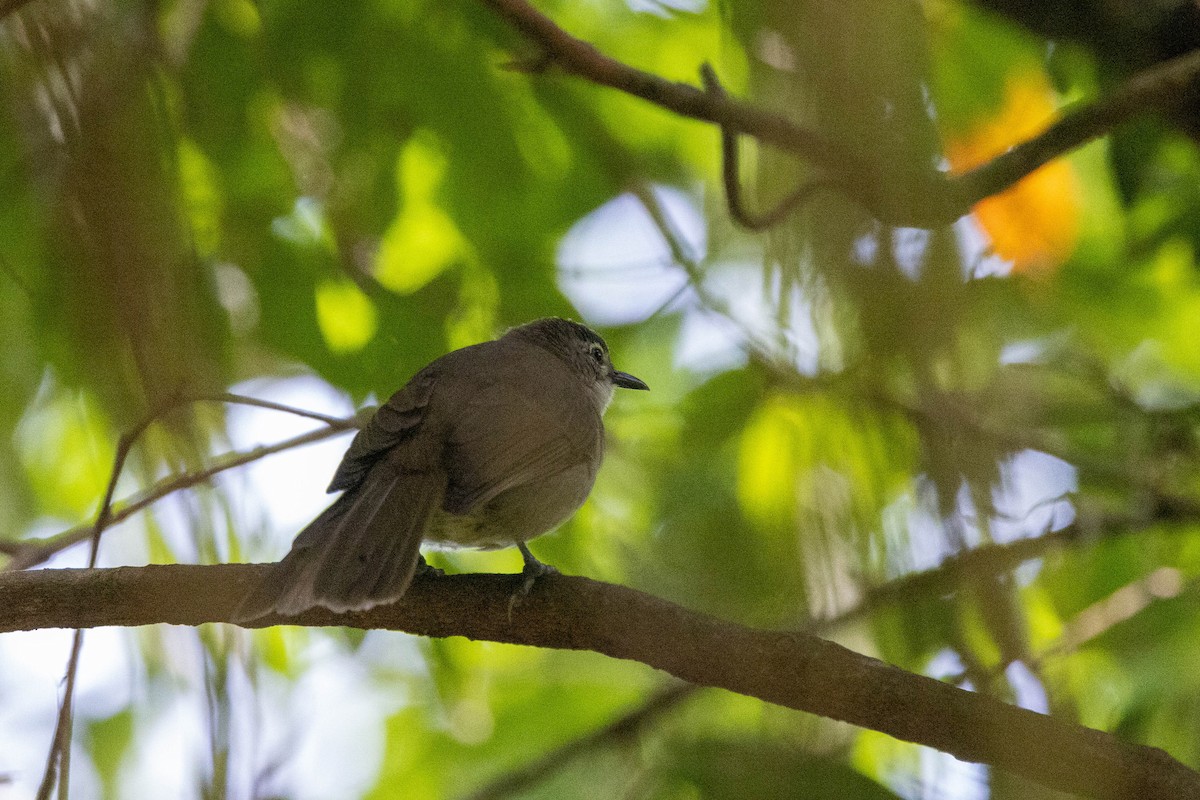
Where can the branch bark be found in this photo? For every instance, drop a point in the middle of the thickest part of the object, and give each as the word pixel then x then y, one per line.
pixel 790 669
pixel 932 201
pixel 577 57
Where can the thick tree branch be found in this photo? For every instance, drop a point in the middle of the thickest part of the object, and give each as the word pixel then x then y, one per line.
pixel 937 199
pixel 790 669
pixel 980 563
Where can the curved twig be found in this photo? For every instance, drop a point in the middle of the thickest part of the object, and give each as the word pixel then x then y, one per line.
pixel 731 170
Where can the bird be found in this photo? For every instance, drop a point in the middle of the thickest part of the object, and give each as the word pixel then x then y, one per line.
pixel 486 447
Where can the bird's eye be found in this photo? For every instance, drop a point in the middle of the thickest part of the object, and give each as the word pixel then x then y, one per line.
pixel 598 353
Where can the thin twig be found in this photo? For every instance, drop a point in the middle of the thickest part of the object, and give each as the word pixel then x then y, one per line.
pixel 60 750
pixel 756 349
pixel 243 400
pixel 27 554
pixel 625 727
pixel 731 172
pixel 58 758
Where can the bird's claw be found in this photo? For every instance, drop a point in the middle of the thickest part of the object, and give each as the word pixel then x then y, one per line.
pixel 532 570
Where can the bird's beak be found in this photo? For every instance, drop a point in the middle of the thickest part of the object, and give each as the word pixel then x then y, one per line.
pixel 627 381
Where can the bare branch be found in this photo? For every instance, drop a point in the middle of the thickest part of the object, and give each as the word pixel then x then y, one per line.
pixel 791 669
pixel 243 400
pixel 580 58
pixel 934 200
pixel 624 728
pixel 58 759
pixel 952 573
pixel 978 563
pixel 30 554
pixel 1160 87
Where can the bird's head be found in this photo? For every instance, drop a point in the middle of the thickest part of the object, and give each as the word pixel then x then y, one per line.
pixel 584 350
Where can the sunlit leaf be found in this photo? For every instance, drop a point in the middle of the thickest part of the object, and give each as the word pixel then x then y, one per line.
pixel 1035 224
pixel 346 316
pixel 423 240
pixel 65 447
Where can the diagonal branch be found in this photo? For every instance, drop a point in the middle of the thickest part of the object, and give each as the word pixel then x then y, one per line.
pixel 933 200
pixel 26 554
pixel 623 729
pixel 791 669
pixel 977 564
pixel 581 59
pixel 1158 88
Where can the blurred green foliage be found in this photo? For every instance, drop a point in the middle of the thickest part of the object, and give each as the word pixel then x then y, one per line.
pixel 199 195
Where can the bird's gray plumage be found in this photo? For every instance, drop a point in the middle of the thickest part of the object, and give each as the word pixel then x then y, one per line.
pixel 487 446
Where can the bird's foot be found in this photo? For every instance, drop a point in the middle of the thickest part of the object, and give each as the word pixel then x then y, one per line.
pixel 532 570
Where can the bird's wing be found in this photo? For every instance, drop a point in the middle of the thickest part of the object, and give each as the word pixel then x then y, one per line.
pixel 504 438
pixel 396 419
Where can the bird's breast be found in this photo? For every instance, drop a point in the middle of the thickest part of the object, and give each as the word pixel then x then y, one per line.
pixel 517 514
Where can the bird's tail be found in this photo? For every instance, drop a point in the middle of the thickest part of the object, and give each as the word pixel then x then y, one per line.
pixel 360 552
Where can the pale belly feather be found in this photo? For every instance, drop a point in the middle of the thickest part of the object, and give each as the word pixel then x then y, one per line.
pixel 517 515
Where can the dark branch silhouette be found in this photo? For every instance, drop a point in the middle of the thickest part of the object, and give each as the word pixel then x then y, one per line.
pixel 938 199
pixel 731 172
pixel 790 669
pixel 580 58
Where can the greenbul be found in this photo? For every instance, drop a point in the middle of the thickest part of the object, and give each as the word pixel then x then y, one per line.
pixel 488 446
